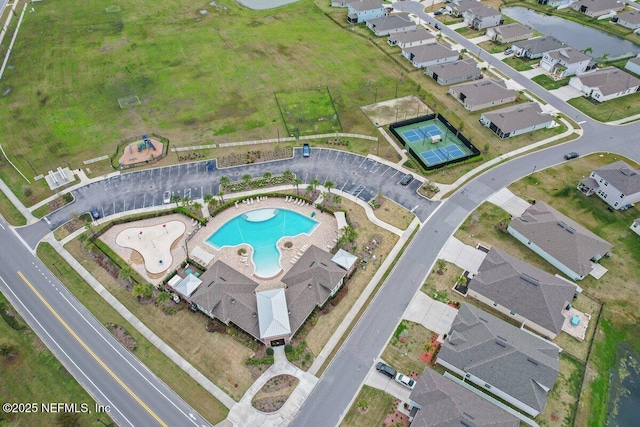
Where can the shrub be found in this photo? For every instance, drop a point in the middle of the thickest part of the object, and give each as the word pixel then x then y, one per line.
pixel 288 348
pixel 269 351
pixel 11 321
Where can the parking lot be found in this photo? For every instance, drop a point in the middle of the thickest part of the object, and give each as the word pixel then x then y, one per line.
pixel 354 174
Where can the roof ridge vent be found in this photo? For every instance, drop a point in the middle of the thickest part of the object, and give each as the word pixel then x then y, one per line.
pixel 529 279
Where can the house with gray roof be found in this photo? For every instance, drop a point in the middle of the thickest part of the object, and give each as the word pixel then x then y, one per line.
pixel 482 94
pixel 454 72
pixel 535 48
pixel 633 65
pixel 597 7
pixel 629 20
pixel 606 83
pixel 390 24
pixel 523 292
pixel 516 120
pixel 364 10
pixel 558 239
pixel 229 296
pixel 618 184
pixel 566 61
pixel 510 363
pixel 416 37
pixel 429 54
pixel 509 33
pixel 437 401
pixel 312 280
pixel 458 7
pixel 635 226
pixel 482 16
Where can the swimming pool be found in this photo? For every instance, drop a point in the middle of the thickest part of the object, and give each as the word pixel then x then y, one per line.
pixel 261 229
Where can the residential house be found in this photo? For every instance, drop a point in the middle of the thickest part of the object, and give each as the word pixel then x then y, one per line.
pixel 633 65
pixel 482 16
pixel 555 3
pixel 606 83
pixel 566 61
pixel 438 401
pixel 597 7
pixel 618 184
pixel 229 296
pixel 482 94
pixel 513 364
pixel 429 54
pixel 535 48
pixel 454 72
pixel 364 10
pixel 390 24
pixel 523 292
pixel 516 120
pixel 509 33
pixel 416 37
pixel 558 239
pixel 629 20
pixel 458 7
pixel 312 280
pixel 635 226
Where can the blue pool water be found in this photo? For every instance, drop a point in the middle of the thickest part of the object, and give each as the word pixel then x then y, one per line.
pixel 262 228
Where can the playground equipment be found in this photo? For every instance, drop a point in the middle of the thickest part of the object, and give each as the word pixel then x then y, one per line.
pixel 146 143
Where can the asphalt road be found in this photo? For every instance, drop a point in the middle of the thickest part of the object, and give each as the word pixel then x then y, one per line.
pixel 351 173
pixel 111 374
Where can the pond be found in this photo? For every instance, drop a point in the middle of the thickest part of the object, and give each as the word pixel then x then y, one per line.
pixel 624 389
pixel 575 35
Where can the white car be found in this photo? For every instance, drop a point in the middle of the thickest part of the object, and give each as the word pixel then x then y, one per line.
pixel 405 381
pixel 167 197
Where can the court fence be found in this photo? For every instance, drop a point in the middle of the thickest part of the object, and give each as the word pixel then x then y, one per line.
pixel 474 151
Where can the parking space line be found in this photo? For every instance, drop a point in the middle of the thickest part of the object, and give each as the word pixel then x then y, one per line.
pixel 386 170
pixel 363 160
pixel 395 174
pixel 354 159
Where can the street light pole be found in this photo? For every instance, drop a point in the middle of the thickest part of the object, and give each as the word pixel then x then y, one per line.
pixel 534 169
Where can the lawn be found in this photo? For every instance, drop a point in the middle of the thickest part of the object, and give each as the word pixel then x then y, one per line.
pixel 394 214
pixel 190 72
pixel 550 84
pixel 10 212
pixel 469 32
pixel 308 112
pixel 369 408
pixel 407 344
pixel 492 47
pixel 561 403
pixel 196 396
pixel 614 109
pixel 29 372
pixel 520 64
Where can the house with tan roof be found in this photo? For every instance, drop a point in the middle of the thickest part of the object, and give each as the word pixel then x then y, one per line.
pixel 606 83
pixel 438 401
pixel 512 364
pixel 454 72
pixel 482 94
pixel 532 297
pixel 390 24
pixel 509 33
pixel 618 184
pixel 629 20
pixel 416 37
pixel 566 61
pixel 516 120
pixel 558 239
pixel 429 54
pixel 597 7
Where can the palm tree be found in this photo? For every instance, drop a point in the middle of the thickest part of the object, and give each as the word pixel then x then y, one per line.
pixel 208 198
pixel 197 206
pixel 350 233
pixel 336 199
pixel 126 273
pixel 187 201
pixel 267 176
pixel 221 195
pixel 297 182
pixel 329 185
pixel 288 175
pixel 163 297
pixel 175 198
pixel 246 178
pixel 309 188
pixel 314 183
pixel 224 181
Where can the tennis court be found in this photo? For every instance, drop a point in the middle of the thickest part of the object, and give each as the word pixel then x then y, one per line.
pixel 442 154
pixel 423 132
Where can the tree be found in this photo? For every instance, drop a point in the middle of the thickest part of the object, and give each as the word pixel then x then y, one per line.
pixel 143 291
pixel 88 225
pixel 267 176
pixel 163 297
pixel 187 201
pixel 297 182
pixel 208 198
pixel 221 195
pixel 314 182
pixel 336 199
pixel 197 206
pixel 310 188
pixel 350 233
pixel 224 181
pixel 288 175
pixel 441 266
pixel 126 273
pixel 246 178
pixel 329 185
pixel 325 196
pixel 175 198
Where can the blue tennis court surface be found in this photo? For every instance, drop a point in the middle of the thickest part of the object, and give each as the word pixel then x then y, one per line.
pixel 415 135
pixel 442 154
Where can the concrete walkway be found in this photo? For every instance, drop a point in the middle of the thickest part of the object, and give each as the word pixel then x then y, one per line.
pixel 401 152
pixel 508 201
pixel 433 315
pixel 245 415
pixel 17 203
pixel 464 256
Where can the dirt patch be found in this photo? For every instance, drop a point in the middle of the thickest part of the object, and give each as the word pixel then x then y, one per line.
pixel 138 152
pixel 274 393
pixel 395 418
pixel 393 110
pixel 256 156
pixel 122 335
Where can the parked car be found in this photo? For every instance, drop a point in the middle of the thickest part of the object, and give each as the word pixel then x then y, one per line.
pixel 406 180
pixel 437 13
pixel 95 214
pixel 405 381
pixel 571 155
pixel 508 51
pixel 386 369
pixel 166 198
pixel 306 150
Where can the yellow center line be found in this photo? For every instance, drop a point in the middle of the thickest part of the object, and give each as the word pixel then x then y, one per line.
pixel 86 347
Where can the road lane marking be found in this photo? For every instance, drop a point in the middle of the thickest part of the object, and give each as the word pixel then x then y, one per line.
pixel 95 356
pixel 2 227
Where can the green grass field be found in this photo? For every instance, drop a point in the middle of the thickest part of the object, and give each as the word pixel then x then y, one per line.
pixel 308 112
pixel 550 84
pixel 614 109
pixel 200 78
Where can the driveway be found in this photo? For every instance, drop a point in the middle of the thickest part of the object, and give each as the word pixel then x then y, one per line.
pixel 433 315
pixel 464 256
pixel 567 92
pixel 508 201
pixel 382 382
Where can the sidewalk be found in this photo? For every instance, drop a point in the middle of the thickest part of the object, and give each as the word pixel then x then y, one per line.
pixel 17 203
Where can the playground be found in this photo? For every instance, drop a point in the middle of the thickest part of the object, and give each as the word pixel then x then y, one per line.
pixel 141 151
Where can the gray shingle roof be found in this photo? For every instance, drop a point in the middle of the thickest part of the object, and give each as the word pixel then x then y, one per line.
pixel 532 293
pixel 632 17
pixel 391 22
pixel 609 80
pixel 502 355
pixel 455 69
pixel 411 36
pixel 445 403
pixel 561 237
pixel 539 44
pixel 364 5
pixel 229 296
pixel 513 30
pixel 430 52
pixel 309 284
pixel 463 5
pixel 569 55
pixel 621 176
pixel 483 11
pixel 597 5
pixel 483 91
pixel 518 117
